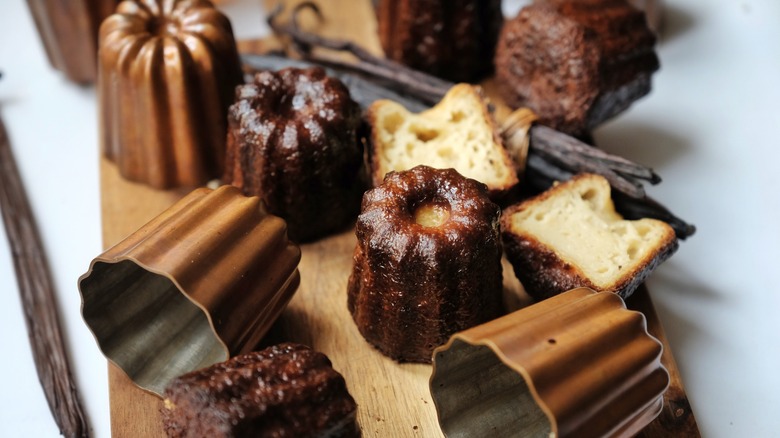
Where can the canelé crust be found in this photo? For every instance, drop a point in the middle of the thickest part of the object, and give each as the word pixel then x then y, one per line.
pixel 454 40
pixel 293 141
pixel 544 273
pixel 284 390
pixel 575 64
pixel 412 285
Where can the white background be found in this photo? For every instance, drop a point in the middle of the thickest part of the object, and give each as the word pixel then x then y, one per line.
pixel 709 128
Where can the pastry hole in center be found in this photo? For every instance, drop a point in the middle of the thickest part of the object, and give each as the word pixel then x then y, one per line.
pixel 160 26
pixel 431 215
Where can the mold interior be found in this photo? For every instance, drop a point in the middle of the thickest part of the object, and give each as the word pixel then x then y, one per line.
pixel 475 393
pixel 453 134
pixel 145 325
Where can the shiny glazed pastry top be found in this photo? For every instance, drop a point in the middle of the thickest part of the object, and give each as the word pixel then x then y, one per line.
pixel 427 263
pixel 293 141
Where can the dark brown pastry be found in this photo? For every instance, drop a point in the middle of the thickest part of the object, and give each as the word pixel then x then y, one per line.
pixel 168 71
pixel 287 390
pixel 427 263
pixel 68 30
pixel 576 63
pixel 293 141
pixel 452 39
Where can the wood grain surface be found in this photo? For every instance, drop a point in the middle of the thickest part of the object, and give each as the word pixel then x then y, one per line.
pixel 393 400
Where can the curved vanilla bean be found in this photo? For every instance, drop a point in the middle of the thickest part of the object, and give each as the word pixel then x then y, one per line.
pixel 38 299
pixel 363 91
pixel 575 155
pixel 430 94
pixel 568 144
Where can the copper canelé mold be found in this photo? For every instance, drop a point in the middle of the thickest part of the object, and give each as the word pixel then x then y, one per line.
pixel 201 282
pixel 167 74
pixel 578 364
pixel 68 31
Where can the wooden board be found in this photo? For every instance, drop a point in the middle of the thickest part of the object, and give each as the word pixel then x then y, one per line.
pixel 393 400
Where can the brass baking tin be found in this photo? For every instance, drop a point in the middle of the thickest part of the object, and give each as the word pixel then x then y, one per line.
pixel 198 284
pixel 578 364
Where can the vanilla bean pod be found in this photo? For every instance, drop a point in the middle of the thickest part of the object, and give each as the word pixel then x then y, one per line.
pixel 363 91
pixel 579 157
pixel 570 145
pixel 38 299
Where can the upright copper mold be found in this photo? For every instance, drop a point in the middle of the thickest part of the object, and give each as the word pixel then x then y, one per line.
pixel 198 284
pixel 168 72
pixel 578 364
pixel 69 32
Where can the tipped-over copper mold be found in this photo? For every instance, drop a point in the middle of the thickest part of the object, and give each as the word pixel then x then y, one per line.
pixel 167 74
pixel 198 284
pixel 68 30
pixel 578 364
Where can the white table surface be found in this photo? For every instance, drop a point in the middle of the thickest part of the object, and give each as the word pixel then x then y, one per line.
pixel 708 128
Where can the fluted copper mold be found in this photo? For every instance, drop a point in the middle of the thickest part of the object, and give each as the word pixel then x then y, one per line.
pixel 578 364
pixel 69 32
pixel 168 70
pixel 198 284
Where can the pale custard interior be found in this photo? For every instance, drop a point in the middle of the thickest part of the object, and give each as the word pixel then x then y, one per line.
pixel 581 226
pixel 453 134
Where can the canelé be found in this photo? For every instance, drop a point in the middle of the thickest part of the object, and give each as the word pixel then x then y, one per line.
pixel 287 390
pixel 427 263
pixel 293 141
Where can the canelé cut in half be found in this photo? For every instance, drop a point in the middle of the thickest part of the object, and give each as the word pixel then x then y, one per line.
pixel 459 133
pixel 571 236
pixel 288 390
pixel 427 263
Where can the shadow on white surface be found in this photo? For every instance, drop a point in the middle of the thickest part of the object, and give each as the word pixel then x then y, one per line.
pixel 643 143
